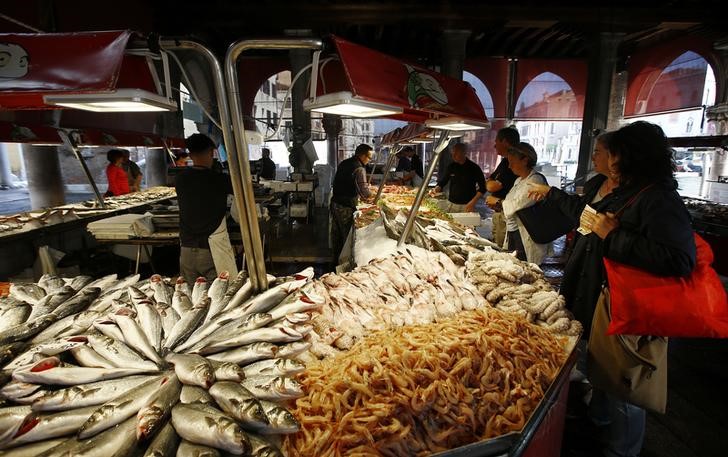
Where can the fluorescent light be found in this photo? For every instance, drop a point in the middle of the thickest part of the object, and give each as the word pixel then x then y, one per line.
pixel 345 104
pixel 456 123
pixel 121 100
pixel 421 140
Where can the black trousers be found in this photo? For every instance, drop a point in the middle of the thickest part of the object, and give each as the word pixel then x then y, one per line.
pixel 515 243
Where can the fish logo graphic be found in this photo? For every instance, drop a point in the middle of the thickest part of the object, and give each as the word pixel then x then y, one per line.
pixel 109 139
pixel 13 61
pixel 22 133
pixel 424 90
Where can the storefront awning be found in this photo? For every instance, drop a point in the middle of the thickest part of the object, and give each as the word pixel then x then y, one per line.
pixel 42 71
pixel 391 88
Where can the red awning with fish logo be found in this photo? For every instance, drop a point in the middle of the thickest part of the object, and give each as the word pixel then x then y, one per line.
pixel 376 77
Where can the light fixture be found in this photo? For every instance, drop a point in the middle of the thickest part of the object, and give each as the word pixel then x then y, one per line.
pixel 120 100
pixel 456 123
pixel 422 140
pixel 345 104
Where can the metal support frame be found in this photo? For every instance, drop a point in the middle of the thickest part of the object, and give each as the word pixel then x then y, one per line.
pixel 440 146
pixel 252 243
pixel 229 140
pixel 390 161
pixel 69 144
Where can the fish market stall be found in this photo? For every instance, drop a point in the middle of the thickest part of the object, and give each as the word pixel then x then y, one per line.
pixel 710 220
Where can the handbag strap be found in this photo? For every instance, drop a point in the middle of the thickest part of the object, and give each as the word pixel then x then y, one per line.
pixel 632 200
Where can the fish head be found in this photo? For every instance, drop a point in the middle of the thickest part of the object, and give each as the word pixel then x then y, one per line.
pixel 200 281
pixel 306 273
pixel 148 420
pixel 257 319
pixel 155 278
pixel 283 419
pixel 224 275
pixel 205 372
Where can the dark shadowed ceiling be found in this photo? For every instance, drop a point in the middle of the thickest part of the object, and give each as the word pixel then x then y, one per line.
pixel 403 28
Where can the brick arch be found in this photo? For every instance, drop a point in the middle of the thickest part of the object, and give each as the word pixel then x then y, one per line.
pixel 563 104
pixel 646 67
pixel 253 71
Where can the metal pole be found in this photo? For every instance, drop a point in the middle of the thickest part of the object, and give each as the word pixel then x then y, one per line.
pixel 69 144
pixel 390 160
pixel 253 246
pixel 440 145
pixel 229 140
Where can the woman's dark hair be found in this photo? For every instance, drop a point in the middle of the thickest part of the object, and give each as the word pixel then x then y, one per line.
pixel 112 155
pixel 644 155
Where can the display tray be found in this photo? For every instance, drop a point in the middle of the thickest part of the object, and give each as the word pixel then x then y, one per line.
pixel 514 444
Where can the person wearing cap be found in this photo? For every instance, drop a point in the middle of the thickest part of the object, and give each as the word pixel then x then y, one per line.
pixel 467 183
pixel 202 195
pixel 521 160
pixel 350 184
pixel 501 180
pixel 267 166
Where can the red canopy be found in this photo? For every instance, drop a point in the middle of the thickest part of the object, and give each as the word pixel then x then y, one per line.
pixel 422 94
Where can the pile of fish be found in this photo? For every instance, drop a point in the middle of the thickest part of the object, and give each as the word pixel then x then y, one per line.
pixel 518 287
pixel 436 235
pixel 125 367
pixel 414 286
pixel 30 221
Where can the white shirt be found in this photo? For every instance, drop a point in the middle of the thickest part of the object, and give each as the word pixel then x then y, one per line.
pixel 517 199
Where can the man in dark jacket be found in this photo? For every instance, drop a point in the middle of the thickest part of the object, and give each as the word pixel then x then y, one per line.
pixel 267 166
pixel 350 184
pixel 467 183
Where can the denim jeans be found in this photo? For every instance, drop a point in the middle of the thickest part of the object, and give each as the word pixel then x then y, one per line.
pixel 623 422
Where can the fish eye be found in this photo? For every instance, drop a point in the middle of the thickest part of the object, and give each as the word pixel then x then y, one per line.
pixel 24 61
pixel 4 58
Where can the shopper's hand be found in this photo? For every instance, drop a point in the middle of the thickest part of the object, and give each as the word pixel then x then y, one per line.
pixel 538 192
pixel 604 224
pixel 470 208
pixel 491 201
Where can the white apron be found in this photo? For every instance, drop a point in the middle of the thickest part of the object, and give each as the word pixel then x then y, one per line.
pixel 222 251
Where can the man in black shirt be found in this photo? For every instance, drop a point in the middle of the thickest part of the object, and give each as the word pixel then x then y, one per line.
pixel 501 180
pixel 350 183
pixel 467 183
pixel 267 166
pixel 202 194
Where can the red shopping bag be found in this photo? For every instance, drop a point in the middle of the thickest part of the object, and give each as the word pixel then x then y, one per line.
pixel 645 304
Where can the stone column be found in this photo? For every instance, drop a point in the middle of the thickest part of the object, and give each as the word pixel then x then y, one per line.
pixel 602 61
pixel 6 180
pixel 156 169
pixel 332 127
pixel 45 183
pixel 453 62
pixel 301 119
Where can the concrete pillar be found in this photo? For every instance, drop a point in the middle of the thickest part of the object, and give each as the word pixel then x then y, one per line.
pixel 602 62
pixel 332 127
pixel 45 183
pixel 453 62
pixel 156 169
pixel 6 180
pixel 301 118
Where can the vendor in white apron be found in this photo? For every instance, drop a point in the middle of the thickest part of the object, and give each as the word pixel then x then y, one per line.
pixel 202 194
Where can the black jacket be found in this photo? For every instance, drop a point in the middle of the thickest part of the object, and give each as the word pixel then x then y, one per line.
pixel 655 234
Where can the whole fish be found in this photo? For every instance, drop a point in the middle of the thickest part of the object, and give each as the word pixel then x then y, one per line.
pixel 199 290
pixel 162 293
pixel 273 388
pixel 15 315
pixel 221 329
pixel 261 447
pixel 46 349
pixel 192 369
pixel 137 296
pixel 27 292
pixel 216 292
pixel 193 394
pixel 50 302
pixel 246 354
pixel 169 317
pixel 27 329
pixel 50 282
pixel 209 427
pixel 94 393
pixel 87 357
pixel 244 293
pixel 17 389
pixel 11 418
pixel 239 403
pixel 116 441
pixel 280 420
pixel 165 442
pixel 108 328
pixel 282 334
pixel 189 449
pixel 234 286
pixel 186 325
pixel 77 303
pixel 33 449
pixel 227 371
pixel 75 324
pixel 261 303
pixel 79 282
pixel 305 302
pixel 182 286
pixel 181 303
pixel 151 322
pixel 48 371
pixel 51 425
pixel 12 351
pixel 135 336
pixel 152 416
pixel 122 407
pixel 274 367
pixel 119 353
pixel 104 283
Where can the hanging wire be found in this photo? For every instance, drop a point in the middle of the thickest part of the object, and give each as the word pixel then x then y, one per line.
pixel 189 85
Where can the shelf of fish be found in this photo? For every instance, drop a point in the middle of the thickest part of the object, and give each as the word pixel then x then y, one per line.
pixel 114 367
